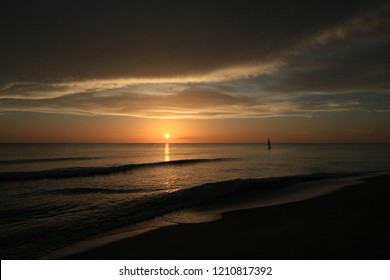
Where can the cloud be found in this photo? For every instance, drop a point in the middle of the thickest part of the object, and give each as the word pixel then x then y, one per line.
pixel 35 90
pixel 237 40
pixel 243 59
pixel 361 23
pixel 342 67
pixel 110 40
pixel 202 104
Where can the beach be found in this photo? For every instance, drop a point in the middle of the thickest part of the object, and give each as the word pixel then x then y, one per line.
pixel 351 222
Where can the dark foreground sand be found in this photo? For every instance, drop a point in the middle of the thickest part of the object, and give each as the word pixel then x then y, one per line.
pixel 351 223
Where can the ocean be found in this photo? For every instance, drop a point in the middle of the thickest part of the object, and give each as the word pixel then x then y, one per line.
pixel 55 195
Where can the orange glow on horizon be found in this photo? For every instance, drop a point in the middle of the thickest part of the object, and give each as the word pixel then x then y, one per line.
pixel 114 129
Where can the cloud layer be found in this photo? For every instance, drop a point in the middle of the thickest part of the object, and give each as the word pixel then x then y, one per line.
pixel 192 59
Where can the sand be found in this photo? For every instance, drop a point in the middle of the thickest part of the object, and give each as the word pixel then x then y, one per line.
pixel 350 223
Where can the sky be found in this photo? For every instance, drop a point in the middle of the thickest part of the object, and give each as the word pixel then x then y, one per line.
pixel 234 71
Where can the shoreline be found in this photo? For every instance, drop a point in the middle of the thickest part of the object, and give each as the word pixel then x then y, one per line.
pixel 192 241
pixel 188 204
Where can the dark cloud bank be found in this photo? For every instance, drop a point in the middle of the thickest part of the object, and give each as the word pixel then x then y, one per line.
pixel 55 40
pixel 327 47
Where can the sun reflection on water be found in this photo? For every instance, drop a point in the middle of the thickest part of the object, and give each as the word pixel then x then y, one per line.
pixel 167 154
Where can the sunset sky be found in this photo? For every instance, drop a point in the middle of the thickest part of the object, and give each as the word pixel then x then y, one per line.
pixel 202 71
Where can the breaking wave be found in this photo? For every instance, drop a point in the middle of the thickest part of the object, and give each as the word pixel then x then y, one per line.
pixel 93 171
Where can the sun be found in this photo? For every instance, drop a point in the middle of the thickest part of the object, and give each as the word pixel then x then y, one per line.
pixel 167 135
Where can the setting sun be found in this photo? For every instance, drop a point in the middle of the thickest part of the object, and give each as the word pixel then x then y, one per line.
pixel 166 135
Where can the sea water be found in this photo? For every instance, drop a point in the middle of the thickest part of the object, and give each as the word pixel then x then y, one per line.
pixel 54 195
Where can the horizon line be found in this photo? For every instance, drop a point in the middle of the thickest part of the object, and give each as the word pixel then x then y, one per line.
pixel 198 143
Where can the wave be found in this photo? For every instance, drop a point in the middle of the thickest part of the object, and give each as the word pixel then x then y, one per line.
pixel 197 195
pixel 93 171
pixel 81 190
pixel 37 160
pixel 133 211
pixel 127 212
pixel 27 213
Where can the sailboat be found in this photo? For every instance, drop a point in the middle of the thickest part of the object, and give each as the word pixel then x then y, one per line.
pixel 269 144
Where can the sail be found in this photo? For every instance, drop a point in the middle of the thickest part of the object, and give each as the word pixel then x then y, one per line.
pixel 269 144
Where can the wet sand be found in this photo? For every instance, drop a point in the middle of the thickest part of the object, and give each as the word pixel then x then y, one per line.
pixel 349 223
